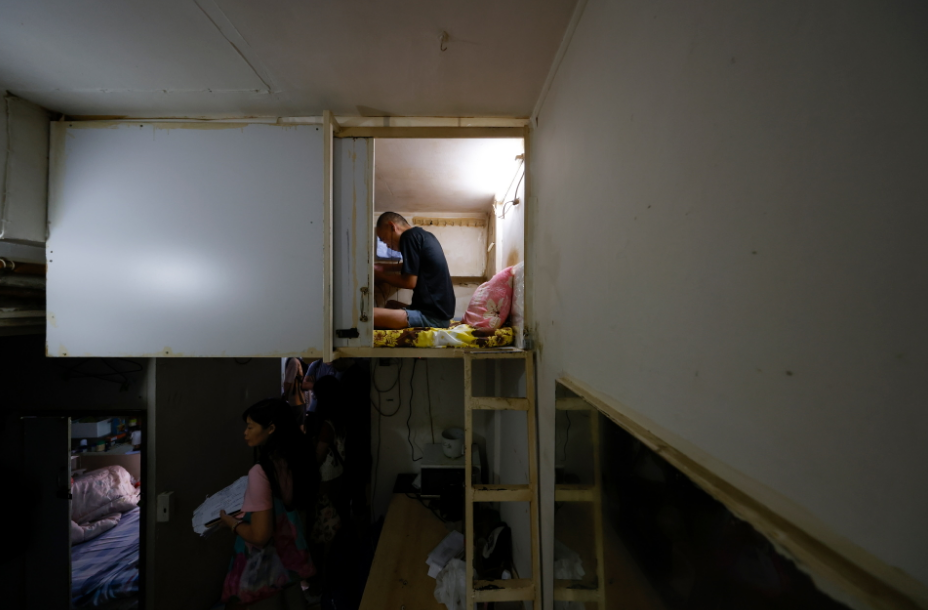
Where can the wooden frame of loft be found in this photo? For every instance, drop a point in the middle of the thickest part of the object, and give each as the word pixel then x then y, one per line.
pixel 414 127
pixel 377 127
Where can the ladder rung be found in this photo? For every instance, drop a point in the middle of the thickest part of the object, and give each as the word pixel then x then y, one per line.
pixel 495 403
pixel 575 591
pixel 572 404
pixel 513 590
pixel 574 493
pixel 503 493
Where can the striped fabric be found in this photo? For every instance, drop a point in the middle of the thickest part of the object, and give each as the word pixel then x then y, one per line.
pixel 107 567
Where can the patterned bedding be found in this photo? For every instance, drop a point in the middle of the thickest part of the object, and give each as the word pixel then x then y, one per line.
pixel 458 335
pixel 107 568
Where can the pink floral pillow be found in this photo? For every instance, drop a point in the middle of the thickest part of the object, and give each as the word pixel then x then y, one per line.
pixel 489 307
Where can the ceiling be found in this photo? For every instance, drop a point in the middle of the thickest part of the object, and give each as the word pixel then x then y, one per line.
pixel 457 176
pixel 211 58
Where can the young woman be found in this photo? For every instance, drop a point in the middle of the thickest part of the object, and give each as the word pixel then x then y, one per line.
pixel 327 428
pixel 270 549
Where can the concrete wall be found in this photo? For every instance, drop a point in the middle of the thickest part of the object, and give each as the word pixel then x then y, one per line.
pixel 394 455
pixel 730 239
pixel 201 450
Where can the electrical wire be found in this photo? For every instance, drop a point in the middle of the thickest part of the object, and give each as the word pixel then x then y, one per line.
pixel 412 449
pixel 428 389
pixel 515 193
pixel 380 391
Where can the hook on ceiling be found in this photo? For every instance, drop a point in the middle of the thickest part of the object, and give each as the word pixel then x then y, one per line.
pixel 443 41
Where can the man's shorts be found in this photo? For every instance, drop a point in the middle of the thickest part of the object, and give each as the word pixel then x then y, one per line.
pixel 417 318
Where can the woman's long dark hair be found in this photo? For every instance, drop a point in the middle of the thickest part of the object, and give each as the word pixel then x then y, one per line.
pixel 330 403
pixel 287 448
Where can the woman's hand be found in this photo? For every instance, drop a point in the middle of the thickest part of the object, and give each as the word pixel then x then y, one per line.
pixel 228 520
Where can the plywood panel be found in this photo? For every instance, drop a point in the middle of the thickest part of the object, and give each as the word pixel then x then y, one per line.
pixel 175 240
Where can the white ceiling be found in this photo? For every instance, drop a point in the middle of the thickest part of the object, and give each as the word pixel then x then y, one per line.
pixel 442 175
pixel 192 58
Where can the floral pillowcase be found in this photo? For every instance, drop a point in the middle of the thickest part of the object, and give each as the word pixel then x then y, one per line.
pixel 489 307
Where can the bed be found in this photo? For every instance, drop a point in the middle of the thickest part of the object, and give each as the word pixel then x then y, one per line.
pixel 460 335
pixel 106 568
pixel 105 531
pixel 457 335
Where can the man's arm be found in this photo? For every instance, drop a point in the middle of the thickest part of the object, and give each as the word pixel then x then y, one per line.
pixel 399 280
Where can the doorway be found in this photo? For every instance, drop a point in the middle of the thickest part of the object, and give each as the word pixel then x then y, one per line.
pixel 86 468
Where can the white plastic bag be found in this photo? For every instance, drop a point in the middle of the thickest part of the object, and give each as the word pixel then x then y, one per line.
pixel 567 566
pixel 449 585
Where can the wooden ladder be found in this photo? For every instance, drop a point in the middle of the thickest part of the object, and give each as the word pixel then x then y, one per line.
pixel 570 590
pixel 517 589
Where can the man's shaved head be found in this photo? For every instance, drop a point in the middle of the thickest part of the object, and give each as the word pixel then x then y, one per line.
pixel 391 217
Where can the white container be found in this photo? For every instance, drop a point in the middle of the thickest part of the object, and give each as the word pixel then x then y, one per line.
pixel 452 442
pixel 91 430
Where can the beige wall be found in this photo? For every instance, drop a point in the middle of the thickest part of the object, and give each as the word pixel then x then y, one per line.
pixel 730 239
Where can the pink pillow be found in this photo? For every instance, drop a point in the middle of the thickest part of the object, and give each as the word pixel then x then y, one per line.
pixel 489 307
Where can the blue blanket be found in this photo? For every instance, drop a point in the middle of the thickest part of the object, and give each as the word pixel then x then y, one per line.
pixel 107 567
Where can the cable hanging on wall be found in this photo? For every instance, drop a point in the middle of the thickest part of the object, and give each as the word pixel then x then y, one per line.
pixel 412 449
pixel 520 174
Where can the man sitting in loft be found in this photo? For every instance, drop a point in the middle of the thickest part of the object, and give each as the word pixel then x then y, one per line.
pixel 424 271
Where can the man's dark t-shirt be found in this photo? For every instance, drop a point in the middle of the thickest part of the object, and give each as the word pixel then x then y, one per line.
pixel 424 258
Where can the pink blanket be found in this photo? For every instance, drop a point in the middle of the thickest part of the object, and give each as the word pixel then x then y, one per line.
pixel 98 499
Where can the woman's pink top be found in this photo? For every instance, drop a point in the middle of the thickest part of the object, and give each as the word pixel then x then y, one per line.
pixel 258 494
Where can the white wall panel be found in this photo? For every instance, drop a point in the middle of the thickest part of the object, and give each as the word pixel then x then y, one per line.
pixel 730 240
pixel 353 232
pixel 181 240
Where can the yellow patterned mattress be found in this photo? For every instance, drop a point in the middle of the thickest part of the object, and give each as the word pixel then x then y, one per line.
pixel 458 335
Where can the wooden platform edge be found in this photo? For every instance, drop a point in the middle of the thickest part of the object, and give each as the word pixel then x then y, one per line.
pixel 426 352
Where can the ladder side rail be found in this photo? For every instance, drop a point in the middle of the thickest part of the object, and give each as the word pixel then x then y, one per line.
pixel 468 484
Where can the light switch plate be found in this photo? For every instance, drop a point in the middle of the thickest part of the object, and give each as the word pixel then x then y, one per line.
pixel 164 506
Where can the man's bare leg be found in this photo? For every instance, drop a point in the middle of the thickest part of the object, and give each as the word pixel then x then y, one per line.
pixel 395 305
pixel 390 319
